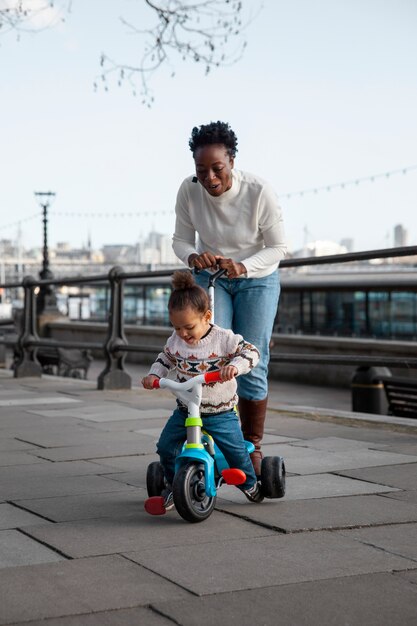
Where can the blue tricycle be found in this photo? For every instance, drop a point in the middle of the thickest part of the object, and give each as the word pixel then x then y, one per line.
pixel 200 468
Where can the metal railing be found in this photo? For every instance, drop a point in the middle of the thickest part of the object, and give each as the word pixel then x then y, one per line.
pixel 116 346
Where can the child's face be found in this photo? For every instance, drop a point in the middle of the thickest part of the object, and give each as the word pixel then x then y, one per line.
pixel 189 324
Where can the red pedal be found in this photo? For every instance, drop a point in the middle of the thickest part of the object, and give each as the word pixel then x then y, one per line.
pixel 233 476
pixel 155 505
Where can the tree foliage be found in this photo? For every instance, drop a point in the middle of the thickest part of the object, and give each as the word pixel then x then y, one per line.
pixel 207 32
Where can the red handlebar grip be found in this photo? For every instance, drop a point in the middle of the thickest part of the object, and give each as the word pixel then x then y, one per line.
pixel 155 384
pixel 212 377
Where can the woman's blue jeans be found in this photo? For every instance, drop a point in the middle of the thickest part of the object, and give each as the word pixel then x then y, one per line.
pixel 226 432
pixel 248 306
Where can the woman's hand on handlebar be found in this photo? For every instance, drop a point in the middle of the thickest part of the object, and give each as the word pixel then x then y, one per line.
pixel 228 372
pixel 203 261
pixel 149 380
pixel 233 269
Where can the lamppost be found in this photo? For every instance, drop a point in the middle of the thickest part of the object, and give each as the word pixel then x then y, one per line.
pixel 46 297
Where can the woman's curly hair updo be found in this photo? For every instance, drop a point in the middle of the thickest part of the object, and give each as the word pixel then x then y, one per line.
pixel 215 132
pixel 186 293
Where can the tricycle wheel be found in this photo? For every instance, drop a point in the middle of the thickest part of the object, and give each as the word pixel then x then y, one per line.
pixel 155 481
pixel 189 491
pixel 273 477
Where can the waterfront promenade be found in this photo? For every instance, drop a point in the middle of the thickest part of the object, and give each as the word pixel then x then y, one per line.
pixel 78 549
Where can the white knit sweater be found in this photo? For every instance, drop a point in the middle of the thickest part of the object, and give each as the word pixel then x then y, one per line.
pixel 244 223
pixel 218 348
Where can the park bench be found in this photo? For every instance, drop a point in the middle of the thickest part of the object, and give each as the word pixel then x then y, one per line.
pixel 70 362
pixel 65 361
pixel 401 393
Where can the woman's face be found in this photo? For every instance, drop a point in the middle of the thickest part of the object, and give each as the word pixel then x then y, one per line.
pixel 213 168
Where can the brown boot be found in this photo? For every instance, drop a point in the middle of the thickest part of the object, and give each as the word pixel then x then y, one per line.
pixel 252 418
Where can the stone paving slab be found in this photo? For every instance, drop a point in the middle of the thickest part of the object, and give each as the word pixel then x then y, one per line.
pixel 41 400
pixel 73 508
pixel 402 448
pixel 123 617
pixel 9 444
pixel 351 601
pixel 38 486
pixel 104 413
pixel 325 513
pixel 6 392
pixel 406 496
pixel 399 540
pixel 99 451
pixel 129 425
pixel 126 413
pixel 18 423
pixel 333 444
pixel 303 428
pixel 305 460
pixel 154 433
pixel 46 469
pixel 18 458
pixel 18 549
pixel 409 575
pixel 135 478
pixel 267 561
pixel 312 486
pixel 78 587
pixel 13 517
pixel 401 476
pixel 131 463
pixel 136 398
pixel 78 436
pixel 140 531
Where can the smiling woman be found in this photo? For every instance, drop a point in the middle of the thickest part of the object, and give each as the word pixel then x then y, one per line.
pixel 229 219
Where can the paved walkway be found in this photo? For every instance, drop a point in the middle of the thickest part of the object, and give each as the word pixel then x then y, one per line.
pixel 77 548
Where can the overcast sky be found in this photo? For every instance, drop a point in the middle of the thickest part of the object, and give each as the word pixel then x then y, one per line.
pixel 326 92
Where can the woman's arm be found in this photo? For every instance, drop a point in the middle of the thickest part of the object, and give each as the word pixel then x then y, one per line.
pixel 184 239
pixel 271 226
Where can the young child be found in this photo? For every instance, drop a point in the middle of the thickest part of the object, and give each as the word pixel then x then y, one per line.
pixel 195 346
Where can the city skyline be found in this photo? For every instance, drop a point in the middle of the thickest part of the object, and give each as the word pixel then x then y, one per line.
pixel 156 248
pixel 320 97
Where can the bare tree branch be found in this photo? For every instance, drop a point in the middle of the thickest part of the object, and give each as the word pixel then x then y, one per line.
pixel 208 32
pixel 31 15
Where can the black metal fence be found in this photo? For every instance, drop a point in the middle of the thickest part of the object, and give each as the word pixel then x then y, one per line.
pixel 116 346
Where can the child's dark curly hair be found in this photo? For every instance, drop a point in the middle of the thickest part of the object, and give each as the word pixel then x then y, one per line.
pixel 186 293
pixel 215 132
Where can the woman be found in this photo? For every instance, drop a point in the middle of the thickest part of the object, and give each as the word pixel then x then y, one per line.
pixel 238 221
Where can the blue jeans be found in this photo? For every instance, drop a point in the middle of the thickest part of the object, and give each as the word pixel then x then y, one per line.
pixel 248 306
pixel 226 432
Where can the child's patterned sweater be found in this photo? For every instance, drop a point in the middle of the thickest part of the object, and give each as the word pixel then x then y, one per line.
pixel 219 347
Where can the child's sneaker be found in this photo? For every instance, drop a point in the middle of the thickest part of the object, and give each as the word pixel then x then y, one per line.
pixel 254 494
pixel 168 499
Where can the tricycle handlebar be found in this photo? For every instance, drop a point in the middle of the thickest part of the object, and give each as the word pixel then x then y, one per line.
pixel 208 377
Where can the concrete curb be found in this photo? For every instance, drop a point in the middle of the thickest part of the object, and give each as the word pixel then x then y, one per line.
pixel 361 420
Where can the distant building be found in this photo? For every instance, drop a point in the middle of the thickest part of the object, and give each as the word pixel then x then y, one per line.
pixel 400 236
pixel 168 257
pixel 113 253
pixel 150 256
pixel 7 248
pixel 347 243
pixel 320 248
